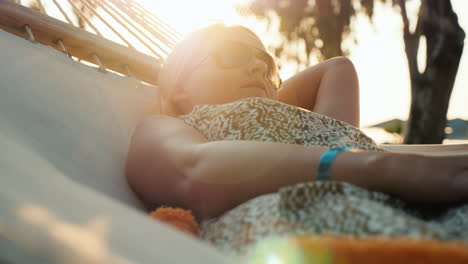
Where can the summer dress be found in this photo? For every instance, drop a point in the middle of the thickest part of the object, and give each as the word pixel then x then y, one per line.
pixel 310 207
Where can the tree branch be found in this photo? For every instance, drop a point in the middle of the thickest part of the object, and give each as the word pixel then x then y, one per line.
pixel 411 39
pixel 404 16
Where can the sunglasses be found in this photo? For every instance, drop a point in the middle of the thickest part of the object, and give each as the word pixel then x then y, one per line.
pixel 230 54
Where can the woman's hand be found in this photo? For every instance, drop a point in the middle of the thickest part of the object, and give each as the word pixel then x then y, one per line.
pixel 427 179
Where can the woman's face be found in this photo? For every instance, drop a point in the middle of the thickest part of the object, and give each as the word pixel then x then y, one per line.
pixel 218 79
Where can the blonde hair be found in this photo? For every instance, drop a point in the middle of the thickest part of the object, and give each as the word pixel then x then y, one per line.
pixel 184 53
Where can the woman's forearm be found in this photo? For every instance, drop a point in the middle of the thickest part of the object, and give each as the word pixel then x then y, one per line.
pixel 338 96
pixel 330 88
pixel 230 172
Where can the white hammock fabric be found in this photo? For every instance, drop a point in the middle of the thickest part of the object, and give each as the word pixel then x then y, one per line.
pixel 64 133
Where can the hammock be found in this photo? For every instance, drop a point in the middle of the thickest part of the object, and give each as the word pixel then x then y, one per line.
pixel 146 39
pixel 65 129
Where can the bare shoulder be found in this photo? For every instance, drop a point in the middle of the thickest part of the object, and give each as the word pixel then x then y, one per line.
pixel 160 153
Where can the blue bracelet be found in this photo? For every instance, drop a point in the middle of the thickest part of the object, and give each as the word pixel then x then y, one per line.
pixel 326 160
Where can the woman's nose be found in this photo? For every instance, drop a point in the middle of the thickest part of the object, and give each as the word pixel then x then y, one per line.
pixel 257 66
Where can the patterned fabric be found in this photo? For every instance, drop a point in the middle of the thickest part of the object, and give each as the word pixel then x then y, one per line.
pixel 263 119
pixel 311 207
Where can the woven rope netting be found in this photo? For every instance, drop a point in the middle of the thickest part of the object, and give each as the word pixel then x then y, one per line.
pixel 117 35
pixel 124 21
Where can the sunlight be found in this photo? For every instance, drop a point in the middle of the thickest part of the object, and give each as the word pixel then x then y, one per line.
pixel 186 16
pixel 72 241
pixel 381 66
pixel 422 54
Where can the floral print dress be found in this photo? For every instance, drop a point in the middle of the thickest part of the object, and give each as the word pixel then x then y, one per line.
pixel 310 207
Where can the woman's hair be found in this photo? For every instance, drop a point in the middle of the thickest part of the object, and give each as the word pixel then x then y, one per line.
pixel 185 52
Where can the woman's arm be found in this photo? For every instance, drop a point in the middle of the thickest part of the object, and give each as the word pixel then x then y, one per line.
pixel 235 171
pixel 171 163
pixel 330 88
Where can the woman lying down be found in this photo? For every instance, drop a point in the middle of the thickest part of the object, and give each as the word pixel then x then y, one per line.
pixel 253 157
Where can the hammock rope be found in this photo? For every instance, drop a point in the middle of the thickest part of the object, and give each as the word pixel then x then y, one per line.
pixel 62 47
pixel 41 7
pixel 102 68
pixel 83 16
pixel 59 7
pixel 159 35
pixel 134 26
pixel 153 19
pixel 104 5
pixel 30 34
pixel 93 11
pixel 127 70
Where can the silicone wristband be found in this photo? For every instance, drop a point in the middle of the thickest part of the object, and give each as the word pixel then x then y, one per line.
pixel 326 160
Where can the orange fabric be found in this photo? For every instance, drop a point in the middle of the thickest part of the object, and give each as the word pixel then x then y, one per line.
pixel 382 250
pixel 177 217
pixel 370 250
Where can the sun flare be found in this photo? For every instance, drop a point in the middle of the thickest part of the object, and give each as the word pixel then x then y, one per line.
pixel 186 15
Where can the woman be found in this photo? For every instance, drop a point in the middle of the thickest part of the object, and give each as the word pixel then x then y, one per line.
pixel 243 151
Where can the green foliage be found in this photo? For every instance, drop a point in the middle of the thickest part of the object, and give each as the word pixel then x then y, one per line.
pixel 394 127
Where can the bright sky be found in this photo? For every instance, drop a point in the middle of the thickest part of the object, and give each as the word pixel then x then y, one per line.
pixel 378 57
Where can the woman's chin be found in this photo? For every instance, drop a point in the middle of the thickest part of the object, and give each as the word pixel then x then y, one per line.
pixel 252 92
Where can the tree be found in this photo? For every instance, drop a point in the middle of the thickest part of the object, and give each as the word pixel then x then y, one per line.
pixel 323 24
pixel 431 89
